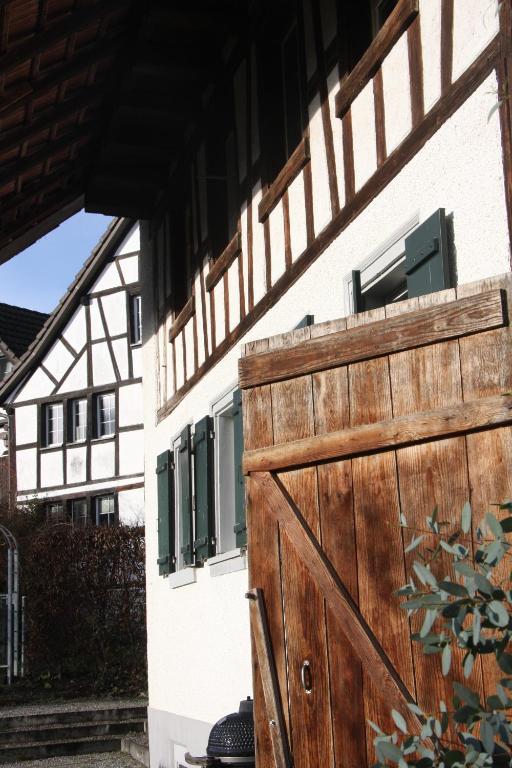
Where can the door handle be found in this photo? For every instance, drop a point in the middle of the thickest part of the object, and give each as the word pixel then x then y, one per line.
pixel 306 677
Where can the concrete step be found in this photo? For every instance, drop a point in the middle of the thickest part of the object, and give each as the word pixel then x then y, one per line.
pixel 69 731
pixel 40 750
pixel 137 747
pixel 9 722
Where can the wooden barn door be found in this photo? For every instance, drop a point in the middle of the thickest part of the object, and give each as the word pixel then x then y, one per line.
pixel 347 426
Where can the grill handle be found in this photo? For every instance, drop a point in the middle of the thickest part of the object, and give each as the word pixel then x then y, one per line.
pixel 306 677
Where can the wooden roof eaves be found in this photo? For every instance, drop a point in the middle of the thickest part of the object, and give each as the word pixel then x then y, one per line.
pixel 111 239
pixel 9 354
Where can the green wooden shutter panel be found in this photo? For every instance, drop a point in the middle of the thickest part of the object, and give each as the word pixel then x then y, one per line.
pixel 185 486
pixel 165 495
pixel 426 257
pixel 240 526
pixel 204 545
pixel 306 320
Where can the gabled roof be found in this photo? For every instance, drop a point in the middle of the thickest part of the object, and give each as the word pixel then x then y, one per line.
pixel 96 100
pixel 18 328
pixel 56 322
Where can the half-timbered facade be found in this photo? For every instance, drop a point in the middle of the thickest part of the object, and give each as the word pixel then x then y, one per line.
pixel 292 164
pixel 75 399
pixel 346 161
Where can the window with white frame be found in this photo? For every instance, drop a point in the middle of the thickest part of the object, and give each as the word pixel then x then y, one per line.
pixel 224 474
pixel 79 514
pixel 78 412
pixel 105 510
pixel 54 424
pixel 135 319
pixel 105 414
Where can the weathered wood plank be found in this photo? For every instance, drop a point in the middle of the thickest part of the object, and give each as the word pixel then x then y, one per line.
pixel 293 166
pixel 274 707
pixel 305 628
pixel 392 433
pixel 183 318
pixel 220 265
pixel 336 506
pixel 425 326
pixel 392 30
pixel 358 632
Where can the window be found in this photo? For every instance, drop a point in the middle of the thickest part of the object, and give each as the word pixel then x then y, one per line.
pixel 381 10
pixel 55 512
pixel 358 24
pixel 135 319
pixel 78 413
pixel 105 414
pixel 105 510
pixel 54 424
pixel 413 262
pixel 79 514
pixel 282 88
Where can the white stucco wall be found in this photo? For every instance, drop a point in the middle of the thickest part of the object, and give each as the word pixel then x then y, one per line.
pixel 26 424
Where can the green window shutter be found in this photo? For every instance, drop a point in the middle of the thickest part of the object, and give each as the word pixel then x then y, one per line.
pixel 204 545
pixel 185 486
pixel 165 495
pixel 240 526
pixel 306 320
pixel 426 257
pixel 357 296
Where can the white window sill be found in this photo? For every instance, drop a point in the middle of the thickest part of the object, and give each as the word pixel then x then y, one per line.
pixel 228 562
pixel 182 578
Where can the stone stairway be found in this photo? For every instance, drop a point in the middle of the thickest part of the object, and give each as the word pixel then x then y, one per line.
pixel 66 732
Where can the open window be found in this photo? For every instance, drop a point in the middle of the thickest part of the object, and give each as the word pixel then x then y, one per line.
pixel 413 262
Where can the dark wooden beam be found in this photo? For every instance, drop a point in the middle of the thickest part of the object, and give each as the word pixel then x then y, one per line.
pixel 70 24
pixel 35 187
pixel 19 96
pixel 14 169
pixel 50 116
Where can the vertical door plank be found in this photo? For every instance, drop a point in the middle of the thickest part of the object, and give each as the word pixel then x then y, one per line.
pixel 431 474
pixel 380 563
pixel 264 569
pixel 332 412
pixel 486 365
pixel 303 602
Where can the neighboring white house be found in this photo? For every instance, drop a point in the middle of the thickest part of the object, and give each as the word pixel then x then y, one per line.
pixel 75 398
pixel 284 213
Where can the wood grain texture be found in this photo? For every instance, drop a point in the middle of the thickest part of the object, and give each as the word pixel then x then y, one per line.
pixel 446 44
pixel 386 38
pixel 382 435
pixel 380 117
pixel 183 318
pixel 305 627
pixel 414 329
pixel 348 157
pixel 416 72
pixel 297 160
pixel 336 507
pixel 220 265
pixel 269 680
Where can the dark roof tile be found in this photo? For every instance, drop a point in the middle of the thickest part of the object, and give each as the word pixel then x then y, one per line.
pixel 19 327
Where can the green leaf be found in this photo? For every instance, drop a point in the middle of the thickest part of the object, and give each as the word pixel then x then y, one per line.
pixel 466 517
pixel 467 667
pixel 466 694
pixel 430 617
pixel 497 613
pixel 399 721
pixel 494 525
pixel 414 543
pixel 424 575
pixel 494 553
pixel 390 751
pixel 465 570
pixel 483 585
pixel 414 708
pixel 506 524
pixel 502 695
pixel 446 659
pixel 505 662
pixel 453 588
pixel 375 727
pixel 477 623
pixel 487 737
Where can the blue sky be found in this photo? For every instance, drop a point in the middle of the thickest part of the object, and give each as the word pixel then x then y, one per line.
pixel 39 276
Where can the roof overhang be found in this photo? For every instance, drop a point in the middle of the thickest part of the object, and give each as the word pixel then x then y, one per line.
pixel 97 99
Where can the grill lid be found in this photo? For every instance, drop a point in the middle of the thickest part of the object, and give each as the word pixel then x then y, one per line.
pixel 233 736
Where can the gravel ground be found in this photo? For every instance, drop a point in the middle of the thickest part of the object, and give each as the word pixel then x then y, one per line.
pixel 104 760
pixel 69 706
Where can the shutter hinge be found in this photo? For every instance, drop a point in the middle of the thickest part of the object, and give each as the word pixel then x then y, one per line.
pixel 239 527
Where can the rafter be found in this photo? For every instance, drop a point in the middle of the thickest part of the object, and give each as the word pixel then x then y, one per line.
pixel 72 23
